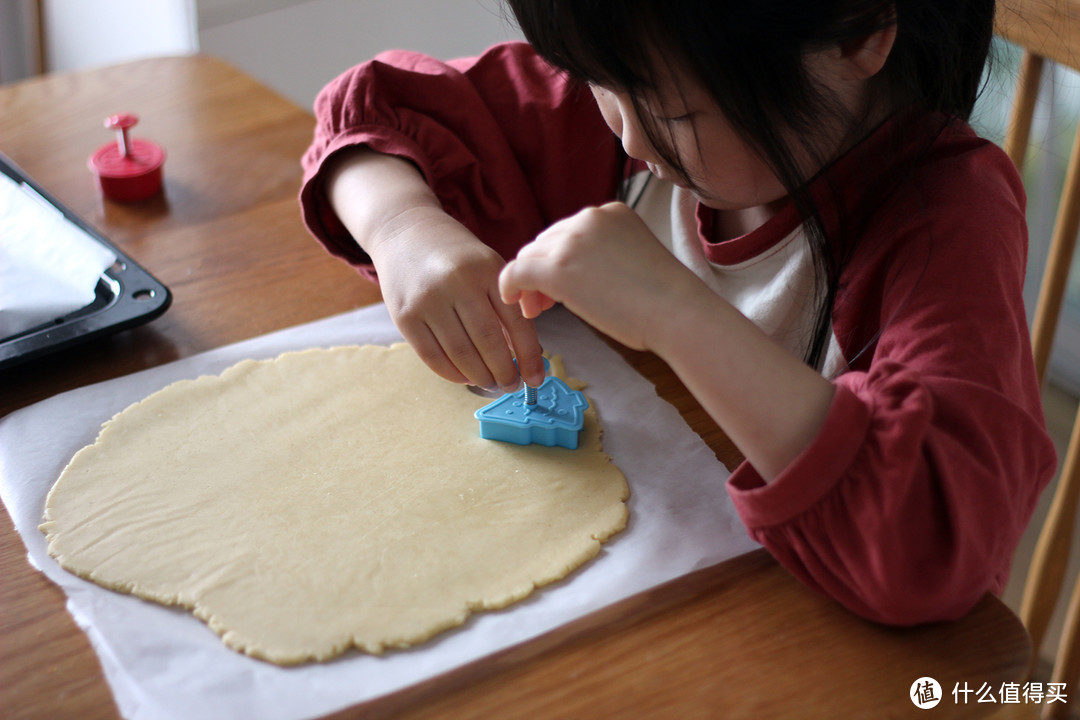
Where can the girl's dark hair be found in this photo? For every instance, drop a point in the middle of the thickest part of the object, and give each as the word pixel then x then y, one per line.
pixel 749 57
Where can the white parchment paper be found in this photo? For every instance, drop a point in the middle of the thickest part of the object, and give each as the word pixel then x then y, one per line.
pixel 164 663
pixel 49 267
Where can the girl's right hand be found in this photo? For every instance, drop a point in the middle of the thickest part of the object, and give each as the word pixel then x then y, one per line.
pixel 439 281
pixel 440 284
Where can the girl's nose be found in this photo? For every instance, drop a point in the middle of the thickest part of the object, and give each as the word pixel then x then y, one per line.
pixel 635 141
pixel 618 111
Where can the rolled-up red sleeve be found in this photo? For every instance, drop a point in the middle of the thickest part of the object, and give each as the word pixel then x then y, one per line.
pixel 508 144
pixel 900 509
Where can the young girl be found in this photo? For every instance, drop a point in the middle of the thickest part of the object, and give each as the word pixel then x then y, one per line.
pixel 809 234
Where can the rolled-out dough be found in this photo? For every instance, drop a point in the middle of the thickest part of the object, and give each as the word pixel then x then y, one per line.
pixel 324 500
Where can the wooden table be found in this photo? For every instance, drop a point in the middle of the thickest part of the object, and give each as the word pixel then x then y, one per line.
pixel 740 640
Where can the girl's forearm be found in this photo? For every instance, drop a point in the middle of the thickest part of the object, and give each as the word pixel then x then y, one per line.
pixel 376 195
pixel 770 403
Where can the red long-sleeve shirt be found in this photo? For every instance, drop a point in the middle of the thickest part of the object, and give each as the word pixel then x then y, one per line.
pixel 909 503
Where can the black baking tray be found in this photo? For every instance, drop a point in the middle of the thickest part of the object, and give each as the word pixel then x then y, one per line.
pixel 126 295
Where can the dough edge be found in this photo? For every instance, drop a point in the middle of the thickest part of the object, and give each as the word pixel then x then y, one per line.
pixel 233 640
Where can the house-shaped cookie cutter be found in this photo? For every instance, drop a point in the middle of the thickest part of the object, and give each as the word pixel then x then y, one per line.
pixel 556 418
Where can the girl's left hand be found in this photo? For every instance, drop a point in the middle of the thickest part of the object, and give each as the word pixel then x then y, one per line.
pixel 608 268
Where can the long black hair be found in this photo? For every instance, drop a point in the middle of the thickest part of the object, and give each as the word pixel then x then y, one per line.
pixel 750 56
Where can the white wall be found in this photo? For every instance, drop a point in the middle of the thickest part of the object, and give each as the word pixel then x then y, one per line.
pixel 81 34
pixel 296 48
pixel 18 40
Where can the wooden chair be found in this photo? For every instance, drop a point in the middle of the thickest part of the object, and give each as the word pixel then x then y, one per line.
pixel 1049 30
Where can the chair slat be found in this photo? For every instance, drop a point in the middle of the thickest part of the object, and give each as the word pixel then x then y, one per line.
pixel 1067 666
pixel 1050 561
pixel 1058 263
pixel 1050 30
pixel 1023 108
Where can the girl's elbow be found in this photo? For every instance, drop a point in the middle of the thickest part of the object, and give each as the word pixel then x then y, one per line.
pixel 909 603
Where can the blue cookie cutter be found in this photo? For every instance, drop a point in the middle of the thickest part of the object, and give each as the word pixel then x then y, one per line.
pixel 556 419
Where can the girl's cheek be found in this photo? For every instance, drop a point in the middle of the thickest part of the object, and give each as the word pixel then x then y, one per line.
pixel 609 109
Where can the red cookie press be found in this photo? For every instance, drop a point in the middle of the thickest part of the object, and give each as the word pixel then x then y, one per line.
pixel 128 170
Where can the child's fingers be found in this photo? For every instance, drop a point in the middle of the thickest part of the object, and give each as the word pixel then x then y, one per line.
pixel 462 344
pixel 515 287
pixel 486 331
pixel 533 302
pixel 522 337
pixel 430 350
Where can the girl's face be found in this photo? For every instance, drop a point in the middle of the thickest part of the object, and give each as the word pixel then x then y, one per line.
pixel 727 173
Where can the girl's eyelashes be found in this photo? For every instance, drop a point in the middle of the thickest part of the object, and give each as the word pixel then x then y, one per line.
pixel 673 113
pixel 677 116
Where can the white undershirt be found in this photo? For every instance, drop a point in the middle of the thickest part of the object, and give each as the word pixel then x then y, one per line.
pixel 774 289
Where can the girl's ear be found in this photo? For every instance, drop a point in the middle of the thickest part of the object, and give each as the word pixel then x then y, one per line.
pixel 865 56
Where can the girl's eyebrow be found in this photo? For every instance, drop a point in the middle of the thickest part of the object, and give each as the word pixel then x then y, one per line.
pixel 677 94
